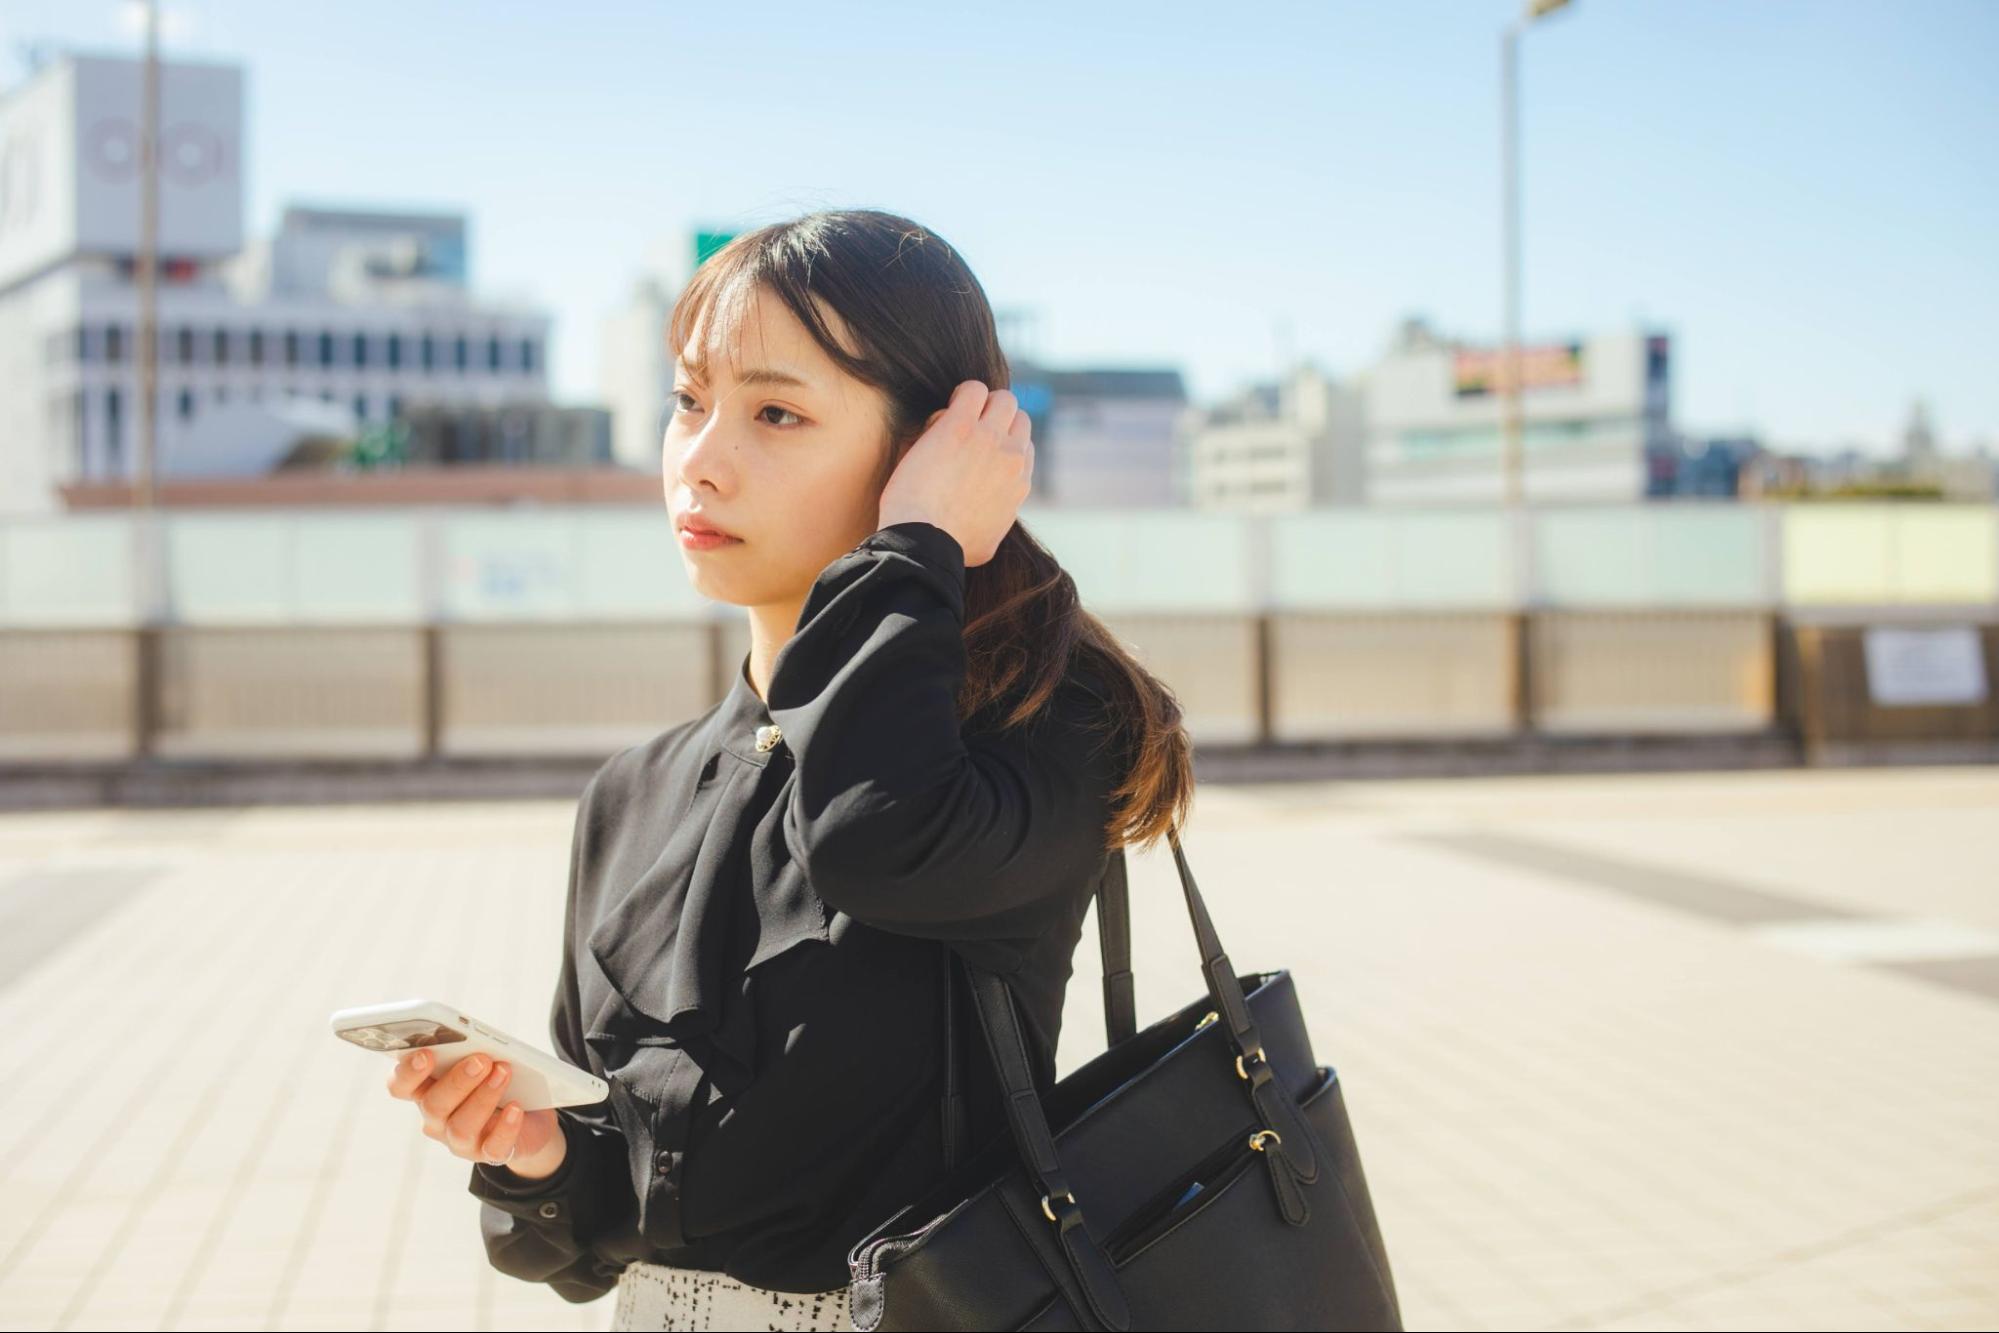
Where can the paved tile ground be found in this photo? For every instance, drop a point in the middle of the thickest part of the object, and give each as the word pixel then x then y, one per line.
pixel 1661 1051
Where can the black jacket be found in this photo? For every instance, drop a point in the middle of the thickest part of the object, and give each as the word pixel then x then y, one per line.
pixel 754 955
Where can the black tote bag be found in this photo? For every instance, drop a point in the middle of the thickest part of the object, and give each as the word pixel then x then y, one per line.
pixel 1087 1215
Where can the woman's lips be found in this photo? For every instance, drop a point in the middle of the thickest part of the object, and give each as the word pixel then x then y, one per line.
pixel 695 538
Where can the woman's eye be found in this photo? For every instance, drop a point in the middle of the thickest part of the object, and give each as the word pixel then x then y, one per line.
pixel 674 398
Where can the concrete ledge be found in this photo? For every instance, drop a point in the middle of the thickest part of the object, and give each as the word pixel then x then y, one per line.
pixel 1495 756
pixel 184 782
pixel 181 782
pixel 175 782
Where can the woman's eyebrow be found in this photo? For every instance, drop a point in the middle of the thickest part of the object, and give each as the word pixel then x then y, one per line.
pixel 758 375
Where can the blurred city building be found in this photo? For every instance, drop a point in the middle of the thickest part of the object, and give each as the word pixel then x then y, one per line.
pixel 1969 476
pixel 1104 437
pixel 1594 409
pixel 1708 466
pixel 1920 470
pixel 635 373
pixel 531 434
pixel 364 313
pixel 1294 443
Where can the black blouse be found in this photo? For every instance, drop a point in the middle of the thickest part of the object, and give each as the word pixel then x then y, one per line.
pixel 761 901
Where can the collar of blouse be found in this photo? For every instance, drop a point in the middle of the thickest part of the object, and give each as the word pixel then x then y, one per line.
pixel 742 723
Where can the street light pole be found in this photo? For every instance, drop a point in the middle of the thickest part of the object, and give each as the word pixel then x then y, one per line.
pixel 148 263
pixel 147 576
pixel 1512 423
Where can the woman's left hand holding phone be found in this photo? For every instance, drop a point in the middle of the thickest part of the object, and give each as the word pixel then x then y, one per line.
pixel 462 1111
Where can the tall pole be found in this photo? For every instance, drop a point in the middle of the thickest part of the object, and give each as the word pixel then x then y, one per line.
pixel 148 265
pixel 147 576
pixel 1512 414
pixel 1509 167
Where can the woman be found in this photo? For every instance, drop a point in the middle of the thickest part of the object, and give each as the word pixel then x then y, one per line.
pixel 929 751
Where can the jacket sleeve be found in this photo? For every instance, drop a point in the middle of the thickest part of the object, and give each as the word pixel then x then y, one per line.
pixel 903 819
pixel 551 1230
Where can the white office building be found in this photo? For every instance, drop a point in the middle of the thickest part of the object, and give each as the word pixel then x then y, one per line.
pixel 635 373
pixel 1296 443
pixel 340 320
pixel 1592 408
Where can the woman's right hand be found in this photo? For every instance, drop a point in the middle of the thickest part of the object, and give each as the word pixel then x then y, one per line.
pixel 462 1111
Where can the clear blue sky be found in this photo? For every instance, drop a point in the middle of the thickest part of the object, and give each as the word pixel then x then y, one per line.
pixel 1805 193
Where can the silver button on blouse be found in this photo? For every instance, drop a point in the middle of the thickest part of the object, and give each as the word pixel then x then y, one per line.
pixel 768 736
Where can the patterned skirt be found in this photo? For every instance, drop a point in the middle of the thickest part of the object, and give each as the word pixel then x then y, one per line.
pixel 659 1296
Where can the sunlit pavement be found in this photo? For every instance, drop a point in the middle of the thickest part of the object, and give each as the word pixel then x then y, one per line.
pixel 1660 1051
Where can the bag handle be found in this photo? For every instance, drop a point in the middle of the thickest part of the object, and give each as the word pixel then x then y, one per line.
pixel 1120 1005
pixel 1034 1140
pixel 1114 941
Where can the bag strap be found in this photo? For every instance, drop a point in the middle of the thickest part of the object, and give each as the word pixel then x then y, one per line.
pixel 1034 1140
pixel 1114 940
pixel 1094 1278
pixel 1120 1005
pixel 956 1125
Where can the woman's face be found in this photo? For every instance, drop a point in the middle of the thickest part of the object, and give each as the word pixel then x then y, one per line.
pixel 787 458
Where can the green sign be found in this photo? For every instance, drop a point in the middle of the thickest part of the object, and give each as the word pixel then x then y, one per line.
pixel 707 243
pixel 383 445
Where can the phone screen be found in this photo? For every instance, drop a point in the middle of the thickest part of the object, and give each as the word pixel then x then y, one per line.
pixel 404 1036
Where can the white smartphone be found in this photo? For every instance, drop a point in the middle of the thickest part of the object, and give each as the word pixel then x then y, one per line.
pixel 540 1081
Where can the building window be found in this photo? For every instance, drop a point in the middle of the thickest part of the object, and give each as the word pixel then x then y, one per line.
pixel 493 352
pixel 360 407
pixel 291 347
pixel 187 404
pixel 428 350
pixel 395 409
pixel 395 351
pixel 185 339
pixel 114 437
pixel 462 352
pixel 79 412
pixel 325 348
pixel 114 343
pixel 360 349
pixel 256 347
pixel 222 347
pixel 527 356
pixel 79 405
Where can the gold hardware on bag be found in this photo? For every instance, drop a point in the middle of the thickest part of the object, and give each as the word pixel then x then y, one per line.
pixel 1256 1054
pixel 1206 1019
pixel 1256 1139
pixel 1050 1211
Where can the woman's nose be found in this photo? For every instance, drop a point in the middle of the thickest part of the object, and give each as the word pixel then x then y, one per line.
pixel 704 454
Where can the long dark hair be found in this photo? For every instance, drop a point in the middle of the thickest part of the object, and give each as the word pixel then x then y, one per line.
pixel 922 326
